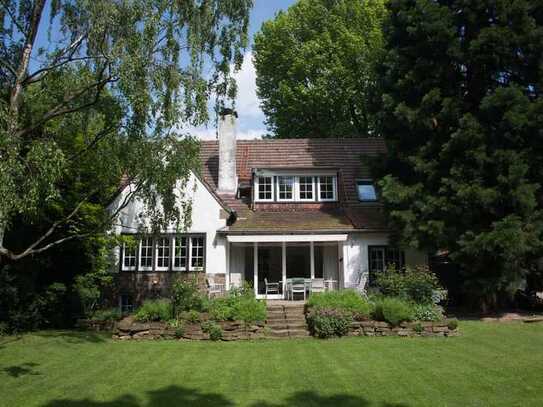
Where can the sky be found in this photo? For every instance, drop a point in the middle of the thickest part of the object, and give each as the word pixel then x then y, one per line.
pixel 250 117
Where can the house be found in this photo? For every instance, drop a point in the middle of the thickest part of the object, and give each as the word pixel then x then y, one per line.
pixel 268 210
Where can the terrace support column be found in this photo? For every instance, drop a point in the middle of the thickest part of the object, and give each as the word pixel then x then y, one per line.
pixel 284 265
pixel 255 266
pixel 312 256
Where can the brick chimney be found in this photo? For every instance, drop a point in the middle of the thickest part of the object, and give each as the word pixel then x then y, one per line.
pixel 228 180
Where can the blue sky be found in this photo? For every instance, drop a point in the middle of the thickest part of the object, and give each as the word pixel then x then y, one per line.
pixel 251 119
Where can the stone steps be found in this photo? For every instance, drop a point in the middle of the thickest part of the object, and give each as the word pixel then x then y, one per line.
pixel 286 321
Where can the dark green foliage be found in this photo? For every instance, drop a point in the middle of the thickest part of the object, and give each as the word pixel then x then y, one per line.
pixel 462 114
pixel 213 329
pixel 107 314
pixel 315 66
pixel 186 296
pixel 344 300
pixel 154 310
pixel 392 310
pixel 416 284
pixel 328 322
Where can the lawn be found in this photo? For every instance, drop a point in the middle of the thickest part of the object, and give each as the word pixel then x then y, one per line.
pixel 491 364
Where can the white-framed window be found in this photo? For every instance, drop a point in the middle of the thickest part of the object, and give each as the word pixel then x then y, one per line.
pixel 366 190
pixel 327 188
pixel 146 254
pixel 129 257
pixel 306 189
pixel 196 252
pixel 264 189
pixel 162 256
pixel 285 188
pixel 180 254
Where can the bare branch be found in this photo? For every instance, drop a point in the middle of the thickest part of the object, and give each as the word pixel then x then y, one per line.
pixel 13 18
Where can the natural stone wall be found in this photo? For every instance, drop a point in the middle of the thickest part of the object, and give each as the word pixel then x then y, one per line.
pixel 377 328
pixel 232 330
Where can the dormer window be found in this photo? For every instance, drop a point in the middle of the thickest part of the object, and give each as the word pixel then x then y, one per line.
pixel 366 191
pixel 265 188
pixel 306 189
pixel 327 188
pixel 286 188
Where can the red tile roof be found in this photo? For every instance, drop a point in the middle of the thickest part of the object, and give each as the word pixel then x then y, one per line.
pixel 348 156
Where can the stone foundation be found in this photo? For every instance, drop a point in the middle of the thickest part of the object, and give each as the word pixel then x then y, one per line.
pixel 377 328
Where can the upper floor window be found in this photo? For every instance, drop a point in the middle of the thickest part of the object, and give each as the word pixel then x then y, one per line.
pixel 265 188
pixel 327 188
pixel 129 257
pixel 286 188
pixel 292 188
pixel 306 189
pixel 162 254
pixel 146 254
pixel 366 190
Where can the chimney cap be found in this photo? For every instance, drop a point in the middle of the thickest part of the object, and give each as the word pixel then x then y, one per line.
pixel 225 111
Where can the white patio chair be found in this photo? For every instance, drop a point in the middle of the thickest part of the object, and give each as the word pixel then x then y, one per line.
pixel 317 285
pixel 359 283
pixel 214 289
pixel 297 287
pixel 271 288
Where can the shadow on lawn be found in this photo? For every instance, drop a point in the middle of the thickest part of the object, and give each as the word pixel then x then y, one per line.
pixel 21 370
pixel 181 396
pixel 75 336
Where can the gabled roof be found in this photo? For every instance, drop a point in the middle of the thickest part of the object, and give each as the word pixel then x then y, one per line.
pixel 349 157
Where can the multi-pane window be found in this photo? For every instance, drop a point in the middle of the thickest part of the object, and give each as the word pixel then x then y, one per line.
pixel 306 188
pixel 146 254
pixel 163 253
pixel 129 257
pixel 326 188
pixel 180 253
pixel 366 191
pixel 380 257
pixel 197 252
pixel 286 188
pixel 265 188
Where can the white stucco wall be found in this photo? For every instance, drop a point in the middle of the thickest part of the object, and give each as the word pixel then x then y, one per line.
pixel 206 219
pixel 355 255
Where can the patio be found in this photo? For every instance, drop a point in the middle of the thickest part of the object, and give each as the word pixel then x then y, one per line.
pixel 284 269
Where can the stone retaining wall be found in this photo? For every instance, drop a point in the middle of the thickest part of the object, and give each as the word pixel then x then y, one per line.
pixel 377 328
pixel 231 330
pixel 95 325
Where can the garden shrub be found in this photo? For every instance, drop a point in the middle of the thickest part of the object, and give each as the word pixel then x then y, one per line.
pixel 107 314
pixel 178 325
pixel 213 329
pixel 187 297
pixel 326 323
pixel 452 324
pixel 239 305
pixel 392 310
pixel 427 312
pixel 348 301
pixel 417 284
pixel 154 310
pixel 418 328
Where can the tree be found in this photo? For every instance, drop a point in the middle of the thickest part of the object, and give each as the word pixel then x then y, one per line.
pixel 462 116
pixel 315 66
pixel 102 97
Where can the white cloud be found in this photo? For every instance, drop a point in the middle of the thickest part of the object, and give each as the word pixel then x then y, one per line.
pixel 247 103
pixel 250 124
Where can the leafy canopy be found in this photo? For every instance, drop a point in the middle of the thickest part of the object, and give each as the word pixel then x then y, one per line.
pixel 463 117
pixel 107 98
pixel 315 66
